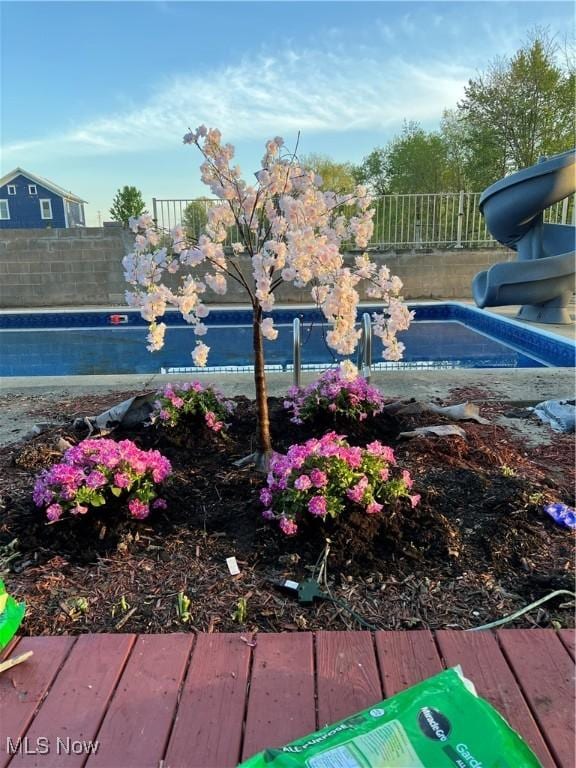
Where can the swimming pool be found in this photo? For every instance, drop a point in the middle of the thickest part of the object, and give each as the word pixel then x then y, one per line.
pixel 448 335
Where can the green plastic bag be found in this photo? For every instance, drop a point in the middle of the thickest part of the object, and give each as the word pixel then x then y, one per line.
pixel 11 615
pixel 438 723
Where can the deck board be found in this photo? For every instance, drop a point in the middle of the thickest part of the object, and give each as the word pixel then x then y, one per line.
pixel 78 701
pixel 347 675
pixel 137 725
pixel 568 638
pixel 199 700
pixel 281 704
pixel 211 709
pixel 23 688
pixel 484 664
pixel 545 672
pixel 406 658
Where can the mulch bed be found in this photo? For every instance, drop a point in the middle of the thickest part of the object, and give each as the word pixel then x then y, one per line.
pixel 477 548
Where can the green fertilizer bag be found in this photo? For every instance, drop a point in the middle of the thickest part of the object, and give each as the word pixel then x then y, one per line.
pixel 11 615
pixel 439 723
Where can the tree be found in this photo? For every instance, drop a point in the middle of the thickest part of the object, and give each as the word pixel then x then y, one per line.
pixel 518 110
pixel 454 138
pixel 338 177
pixel 373 172
pixel 289 231
pixel 127 204
pixel 416 162
pixel 194 219
pixel 413 162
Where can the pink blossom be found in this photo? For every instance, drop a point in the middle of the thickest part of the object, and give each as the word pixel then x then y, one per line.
pixel 287 526
pixel 138 509
pixel 96 480
pixel 373 508
pixel 415 500
pixel 121 480
pixel 407 478
pixel 356 493
pixel 212 421
pixel 384 474
pixel 317 506
pixel 54 512
pixel 302 483
pixel 319 479
pixel 266 496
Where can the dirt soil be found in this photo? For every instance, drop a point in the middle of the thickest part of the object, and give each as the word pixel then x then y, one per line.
pixel 478 547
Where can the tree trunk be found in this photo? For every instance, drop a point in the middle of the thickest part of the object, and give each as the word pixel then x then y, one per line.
pixel 263 440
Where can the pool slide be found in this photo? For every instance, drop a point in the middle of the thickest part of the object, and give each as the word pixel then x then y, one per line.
pixel 542 277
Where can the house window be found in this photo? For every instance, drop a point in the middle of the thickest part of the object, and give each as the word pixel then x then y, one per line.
pixel 11 189
pixel 4 210
pixel 32 189
pixel 46 209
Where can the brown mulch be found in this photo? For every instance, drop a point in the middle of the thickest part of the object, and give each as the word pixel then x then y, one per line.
pixel 477 548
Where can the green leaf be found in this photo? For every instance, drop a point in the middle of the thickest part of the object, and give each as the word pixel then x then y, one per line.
pixel 116 491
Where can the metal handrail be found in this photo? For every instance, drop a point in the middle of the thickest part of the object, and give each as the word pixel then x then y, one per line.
pixel 364 359
pixel 296 348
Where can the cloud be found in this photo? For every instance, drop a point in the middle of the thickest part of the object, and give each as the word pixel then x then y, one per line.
pixel 262 95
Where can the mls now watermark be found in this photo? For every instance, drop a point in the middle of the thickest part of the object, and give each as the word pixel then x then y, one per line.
pixel 42 745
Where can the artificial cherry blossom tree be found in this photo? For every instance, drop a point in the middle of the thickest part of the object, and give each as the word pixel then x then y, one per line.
pixel 289 232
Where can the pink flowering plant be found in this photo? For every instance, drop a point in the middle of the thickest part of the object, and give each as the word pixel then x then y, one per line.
pixel 191 403
pixel 338 392
pixel 94 472
pixel 326 478
pixel 286 229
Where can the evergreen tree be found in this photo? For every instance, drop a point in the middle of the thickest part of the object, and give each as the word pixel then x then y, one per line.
pixel 127 203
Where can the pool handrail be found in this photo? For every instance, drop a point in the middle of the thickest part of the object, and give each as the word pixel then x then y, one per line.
pixel 364 359
pixel 296 344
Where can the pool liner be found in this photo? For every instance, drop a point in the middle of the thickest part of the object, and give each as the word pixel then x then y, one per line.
pixel 439 723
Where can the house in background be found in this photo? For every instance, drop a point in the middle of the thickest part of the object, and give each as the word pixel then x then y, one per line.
pixel 28 201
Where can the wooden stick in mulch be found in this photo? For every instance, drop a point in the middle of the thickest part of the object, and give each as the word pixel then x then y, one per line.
pixel 9 663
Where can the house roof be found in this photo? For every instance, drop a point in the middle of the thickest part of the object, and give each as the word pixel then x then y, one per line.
pixel 42 182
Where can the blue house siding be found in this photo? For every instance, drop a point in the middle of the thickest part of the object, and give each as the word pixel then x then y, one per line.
pixel 25 209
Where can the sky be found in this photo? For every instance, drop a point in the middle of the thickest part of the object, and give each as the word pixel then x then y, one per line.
pixel 97 95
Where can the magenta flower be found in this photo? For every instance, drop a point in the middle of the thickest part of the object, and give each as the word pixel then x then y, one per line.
pixel 94 468
pixel 317 506
pixel 121 480
pixel 356 493
pixel 138 509
pixel 319 479
pixel 287 526
pixel 345 474
pixel 266 496
pixel 96 479
pixel 302 483
pixel 415 500
pixel 54 512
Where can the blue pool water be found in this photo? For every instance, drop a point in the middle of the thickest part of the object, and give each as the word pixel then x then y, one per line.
pixel 442 336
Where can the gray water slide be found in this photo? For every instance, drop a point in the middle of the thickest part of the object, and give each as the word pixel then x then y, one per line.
pixel 542 277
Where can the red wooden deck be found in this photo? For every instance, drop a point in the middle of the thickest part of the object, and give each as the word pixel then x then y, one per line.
pixel 205 701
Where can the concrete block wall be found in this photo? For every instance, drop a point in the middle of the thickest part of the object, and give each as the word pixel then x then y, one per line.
pixel 61 267
pixel 83 267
